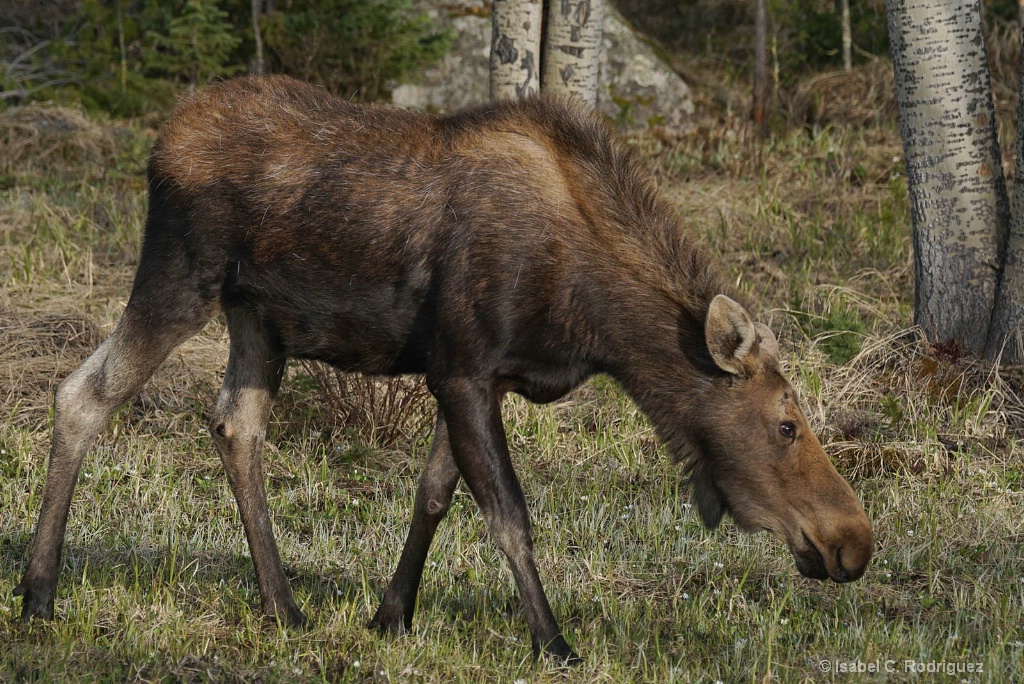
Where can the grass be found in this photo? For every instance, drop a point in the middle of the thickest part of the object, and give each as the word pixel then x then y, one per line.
pixel 157 584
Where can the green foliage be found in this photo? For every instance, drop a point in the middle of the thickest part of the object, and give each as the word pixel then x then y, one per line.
pixel 839 330
pixel 104 51
pixel 128 57
pixel 198 44
pixel 354 48
pixel 810 33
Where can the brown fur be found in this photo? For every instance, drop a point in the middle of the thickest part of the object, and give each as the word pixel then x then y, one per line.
pixel 512 247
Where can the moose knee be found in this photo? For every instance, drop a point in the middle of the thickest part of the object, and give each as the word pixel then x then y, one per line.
pixel 438 507
pixel 220 430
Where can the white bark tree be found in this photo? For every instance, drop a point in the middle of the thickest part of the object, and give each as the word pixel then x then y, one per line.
pixel 572 47
pixel 958 198
pixel 515 48
pixel 759 109
pixel 847 42
pixel 258 64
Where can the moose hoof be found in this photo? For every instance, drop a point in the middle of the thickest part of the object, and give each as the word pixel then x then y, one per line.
pixel 390 620
pixel 35 603
pixel 288 615
pixel 558 651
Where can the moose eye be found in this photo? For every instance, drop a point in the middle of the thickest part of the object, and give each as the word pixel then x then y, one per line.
pixel 787 430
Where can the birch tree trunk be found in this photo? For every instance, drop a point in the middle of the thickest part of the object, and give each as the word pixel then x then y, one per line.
pixel 258 67
pixel 847 44
pixel 572 48
pixel 958 201
pixel 515 48
pixel 759 110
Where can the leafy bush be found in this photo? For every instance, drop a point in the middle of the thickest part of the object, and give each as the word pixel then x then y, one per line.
pixel 810 33
pixel 128 57
pixel 353 47
pixel 198 44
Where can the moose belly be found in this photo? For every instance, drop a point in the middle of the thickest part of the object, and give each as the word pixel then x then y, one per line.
pixel 355 326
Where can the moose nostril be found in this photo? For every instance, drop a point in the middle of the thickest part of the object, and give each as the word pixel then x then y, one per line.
pixel 841 573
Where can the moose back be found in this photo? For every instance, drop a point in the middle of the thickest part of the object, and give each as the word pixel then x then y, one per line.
pixel 514 247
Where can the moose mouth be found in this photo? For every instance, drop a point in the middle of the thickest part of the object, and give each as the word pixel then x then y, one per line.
pixel 809 561
pixel 811 564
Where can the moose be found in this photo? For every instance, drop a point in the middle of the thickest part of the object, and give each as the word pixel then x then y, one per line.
pixel 512 247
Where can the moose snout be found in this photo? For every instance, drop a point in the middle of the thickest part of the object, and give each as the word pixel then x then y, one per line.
pixel 851 559
pixel 841 557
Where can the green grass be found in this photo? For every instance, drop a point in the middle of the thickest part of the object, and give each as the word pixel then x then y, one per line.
pixel 157 584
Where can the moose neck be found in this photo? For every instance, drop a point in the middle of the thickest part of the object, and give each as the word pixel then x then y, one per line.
pixel 652 325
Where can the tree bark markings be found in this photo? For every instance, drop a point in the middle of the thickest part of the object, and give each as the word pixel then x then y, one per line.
pixel 573 48
pixel 954 170
pixel 515 48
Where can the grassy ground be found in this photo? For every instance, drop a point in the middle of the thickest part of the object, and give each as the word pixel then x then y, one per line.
pixel 157 584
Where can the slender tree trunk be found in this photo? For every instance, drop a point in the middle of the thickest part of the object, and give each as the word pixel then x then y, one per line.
pixel 258 67
pixel 121 47
pixel 572 47
pixel 1006 333
pixel 759 108
pixel 844 17
pixel 515 48
pixel 958 199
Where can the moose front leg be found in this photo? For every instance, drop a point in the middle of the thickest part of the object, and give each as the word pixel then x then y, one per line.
pixel 433 496
pixel 472 409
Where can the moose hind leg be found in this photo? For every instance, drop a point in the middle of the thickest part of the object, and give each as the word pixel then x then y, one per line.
pixel 83 404
pixel 253 376
pixel 433 496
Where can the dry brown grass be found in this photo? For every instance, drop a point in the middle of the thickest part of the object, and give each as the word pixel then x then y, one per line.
pixel 862 96
pixel 37 349
pixel 50 138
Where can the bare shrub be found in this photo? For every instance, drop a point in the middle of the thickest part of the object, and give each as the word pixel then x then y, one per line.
pixel 382 411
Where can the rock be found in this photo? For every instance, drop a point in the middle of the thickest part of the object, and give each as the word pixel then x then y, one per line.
pixel 637 88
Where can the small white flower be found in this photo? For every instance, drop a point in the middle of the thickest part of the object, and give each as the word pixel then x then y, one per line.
pixel 686 597
pixel 355 663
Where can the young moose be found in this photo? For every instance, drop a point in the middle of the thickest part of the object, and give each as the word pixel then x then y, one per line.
pixel 515 247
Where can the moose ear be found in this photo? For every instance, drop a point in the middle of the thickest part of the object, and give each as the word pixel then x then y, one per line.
pixel 766 340
pixel 731 335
